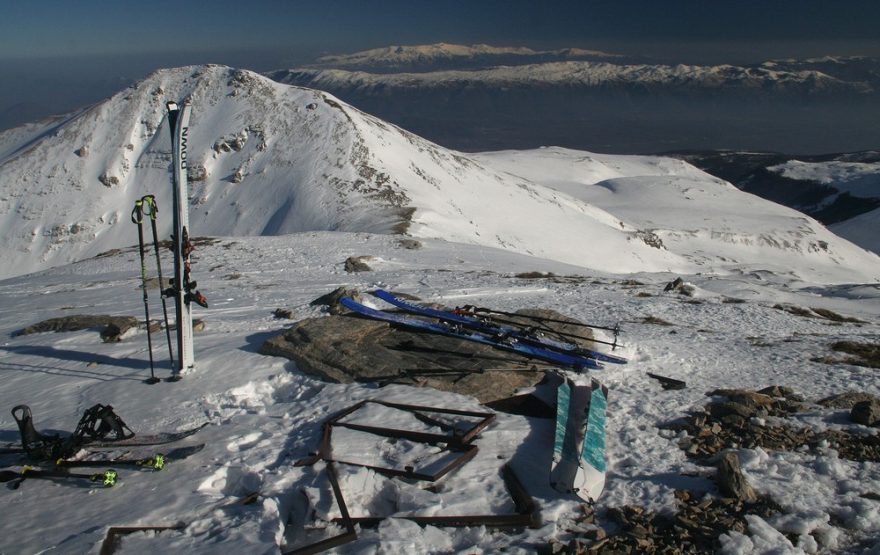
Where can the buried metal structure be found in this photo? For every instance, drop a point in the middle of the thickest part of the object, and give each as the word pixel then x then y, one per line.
pixel 526 512
pixel 457 441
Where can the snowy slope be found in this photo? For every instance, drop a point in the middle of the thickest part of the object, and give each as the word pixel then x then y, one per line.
pixel 704 219
pixel 332 182
pixel 856 179
pixel 862 230
pixel 269 159
pixel 264 414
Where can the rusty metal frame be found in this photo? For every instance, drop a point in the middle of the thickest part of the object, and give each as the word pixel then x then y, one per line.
pixel 454 442
pixel 423 437
pixel 526 515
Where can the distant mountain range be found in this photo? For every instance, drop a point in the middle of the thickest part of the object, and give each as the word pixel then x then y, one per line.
pixel 268 159
pixel 480 98
pixel 436 57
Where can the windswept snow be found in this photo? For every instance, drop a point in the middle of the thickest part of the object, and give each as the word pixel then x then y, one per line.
pixel 290 182
pixel 264 414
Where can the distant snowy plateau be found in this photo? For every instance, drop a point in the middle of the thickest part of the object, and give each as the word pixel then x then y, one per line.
pixel 286 184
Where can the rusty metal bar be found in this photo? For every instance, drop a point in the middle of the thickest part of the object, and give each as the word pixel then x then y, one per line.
pixel 348 536
pixel 526 515
pixel 409 472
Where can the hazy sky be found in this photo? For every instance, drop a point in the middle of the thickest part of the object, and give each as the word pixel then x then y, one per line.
pixel 39 28
pixel 56 55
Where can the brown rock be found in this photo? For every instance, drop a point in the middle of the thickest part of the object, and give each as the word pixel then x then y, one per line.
pixel 866 412
pixel 358 264
pixel 846 400
pixel 731 481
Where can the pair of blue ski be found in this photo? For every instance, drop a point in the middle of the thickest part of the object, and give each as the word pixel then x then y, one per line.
pixel 509 335
pixel 472 329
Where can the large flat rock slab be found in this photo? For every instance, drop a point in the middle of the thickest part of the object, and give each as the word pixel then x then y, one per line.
pixel 348 348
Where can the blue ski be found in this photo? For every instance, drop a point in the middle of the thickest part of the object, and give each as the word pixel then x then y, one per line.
pixel 442 328
pixel 490 328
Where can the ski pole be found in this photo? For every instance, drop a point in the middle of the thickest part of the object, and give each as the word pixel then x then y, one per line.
pixel 470 310
pixel 137 217
pixel 475 309
pixel 152 210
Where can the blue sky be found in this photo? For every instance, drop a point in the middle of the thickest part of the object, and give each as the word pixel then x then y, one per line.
pixel 294 28
pixel 58 55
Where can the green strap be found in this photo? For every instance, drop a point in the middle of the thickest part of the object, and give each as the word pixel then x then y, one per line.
pixel 151 209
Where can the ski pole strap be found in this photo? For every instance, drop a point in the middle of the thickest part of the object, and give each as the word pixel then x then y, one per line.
pixel 137 213
pixel 150 208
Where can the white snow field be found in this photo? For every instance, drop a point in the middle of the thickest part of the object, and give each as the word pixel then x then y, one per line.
pixel 293 183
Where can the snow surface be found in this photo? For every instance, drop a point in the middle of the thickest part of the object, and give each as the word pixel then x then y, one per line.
pixel 481 220
pixel 264 414
pixel 863 230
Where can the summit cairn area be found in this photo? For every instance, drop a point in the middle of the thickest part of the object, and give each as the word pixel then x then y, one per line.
pixel 345 348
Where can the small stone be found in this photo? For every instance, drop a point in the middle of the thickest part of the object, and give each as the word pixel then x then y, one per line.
pixel 410 244
pixel 866 412
pixel 283 313
pixel 357 264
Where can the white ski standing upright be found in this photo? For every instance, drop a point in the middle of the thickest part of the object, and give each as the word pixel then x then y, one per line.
pixel 178 119
pixel 579 447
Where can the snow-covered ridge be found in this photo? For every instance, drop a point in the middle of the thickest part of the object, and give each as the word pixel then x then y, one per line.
pixel 586 74
pixel 270 159
pixel 390 57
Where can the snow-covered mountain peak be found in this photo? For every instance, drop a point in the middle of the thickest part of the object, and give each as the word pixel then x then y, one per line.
pixel 269 159
pixel 265 158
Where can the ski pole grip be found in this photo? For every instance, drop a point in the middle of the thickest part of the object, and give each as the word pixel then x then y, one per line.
pixel 137 213
pixel 151 209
